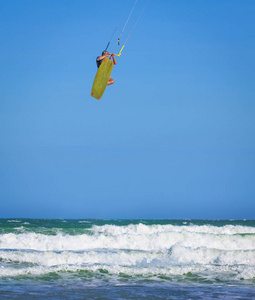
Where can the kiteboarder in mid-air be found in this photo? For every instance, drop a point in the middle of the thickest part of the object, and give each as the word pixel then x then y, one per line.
pixel 101 58
pixel 107 60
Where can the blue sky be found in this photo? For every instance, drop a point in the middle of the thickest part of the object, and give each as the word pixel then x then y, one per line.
pixel 174 137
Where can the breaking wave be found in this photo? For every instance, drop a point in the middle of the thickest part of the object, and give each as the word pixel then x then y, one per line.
pixel 222 252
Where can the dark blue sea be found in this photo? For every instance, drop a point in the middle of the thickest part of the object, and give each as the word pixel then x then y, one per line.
pixel 127 259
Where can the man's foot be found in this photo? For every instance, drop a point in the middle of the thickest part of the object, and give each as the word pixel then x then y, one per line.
pixel 111 81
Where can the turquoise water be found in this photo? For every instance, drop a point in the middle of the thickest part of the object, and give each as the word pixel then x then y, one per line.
pixel 127 259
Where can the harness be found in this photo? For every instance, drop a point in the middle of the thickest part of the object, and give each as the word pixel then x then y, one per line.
pixel 99 62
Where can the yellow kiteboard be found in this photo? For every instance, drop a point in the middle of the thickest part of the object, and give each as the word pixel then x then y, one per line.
pixel 102 78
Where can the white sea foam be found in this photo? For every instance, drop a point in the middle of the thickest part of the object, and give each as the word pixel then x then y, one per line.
pixel 135 249
pixel 13 221
pixel 136 237
pixel 223 272
pixel 88 222
pixel 143 229
pixel 203 255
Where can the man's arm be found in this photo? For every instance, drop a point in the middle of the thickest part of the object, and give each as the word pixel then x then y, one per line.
pixel 103 56
pixel 114 59
pixel 106 55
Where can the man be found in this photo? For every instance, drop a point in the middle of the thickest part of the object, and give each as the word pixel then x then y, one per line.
pixel 101 58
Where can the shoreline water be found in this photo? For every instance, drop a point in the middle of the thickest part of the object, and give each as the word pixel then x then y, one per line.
pixel 127 259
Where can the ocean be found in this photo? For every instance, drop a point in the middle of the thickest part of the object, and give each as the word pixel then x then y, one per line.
pixel 127 259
